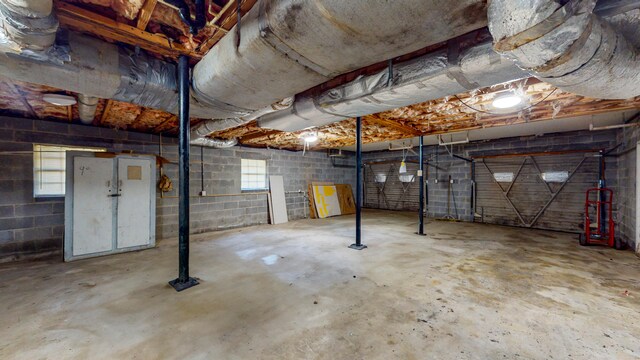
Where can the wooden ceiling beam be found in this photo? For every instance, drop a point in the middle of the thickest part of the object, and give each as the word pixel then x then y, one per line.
pixel 162 125
pixel 105 112
pixel 86 21
pixel 225 21
pixel 258 135
pixel 392 125
pixel 145 14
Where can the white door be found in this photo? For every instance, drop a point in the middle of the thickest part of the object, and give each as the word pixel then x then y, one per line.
pixel 93 205
pixel 134 182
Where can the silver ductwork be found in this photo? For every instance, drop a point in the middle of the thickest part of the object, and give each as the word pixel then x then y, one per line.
pixel 87 106
pixel 214 143
pixel 27 25
pixel 289 46
pixel 284 47
pixel 210 126
pixel 432 76
pixel 569 46
pixel 103 70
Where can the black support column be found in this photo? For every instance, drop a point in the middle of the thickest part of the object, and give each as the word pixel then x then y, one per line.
pixel 358 244
pixel 421 192
pixel 183 281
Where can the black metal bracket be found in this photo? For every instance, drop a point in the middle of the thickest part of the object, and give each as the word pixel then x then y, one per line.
pixel 357 246
pixel 183 285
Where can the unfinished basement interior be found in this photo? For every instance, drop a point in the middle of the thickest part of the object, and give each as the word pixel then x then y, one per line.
pixel 326 179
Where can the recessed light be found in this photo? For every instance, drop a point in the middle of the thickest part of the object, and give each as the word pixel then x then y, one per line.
pixel 59 100
pixel 507 101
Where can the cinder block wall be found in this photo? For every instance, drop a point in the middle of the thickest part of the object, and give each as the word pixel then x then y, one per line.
pixel 222 176
pixel 34 227
pixel 460 170
pixel 626 204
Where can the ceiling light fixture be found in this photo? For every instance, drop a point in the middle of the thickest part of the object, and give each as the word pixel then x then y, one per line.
pixel 59 99
pixel 506 101
pixel 310 138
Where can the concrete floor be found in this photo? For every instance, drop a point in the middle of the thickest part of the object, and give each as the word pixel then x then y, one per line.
pixel 295 291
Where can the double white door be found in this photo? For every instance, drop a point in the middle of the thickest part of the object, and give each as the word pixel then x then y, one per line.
pixel 109 205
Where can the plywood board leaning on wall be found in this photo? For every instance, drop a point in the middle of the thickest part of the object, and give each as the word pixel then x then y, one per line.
pixel 326 199
pixel 346 199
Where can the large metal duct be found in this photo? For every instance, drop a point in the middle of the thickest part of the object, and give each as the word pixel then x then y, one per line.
pixel 428 77
pixel 103 70
pixel 567 45
pixel 27 24
pixel 288 46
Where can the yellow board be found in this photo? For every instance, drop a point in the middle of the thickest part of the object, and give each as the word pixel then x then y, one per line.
pixel 326 201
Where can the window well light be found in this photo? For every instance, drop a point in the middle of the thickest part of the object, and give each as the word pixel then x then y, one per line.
pixel 506 101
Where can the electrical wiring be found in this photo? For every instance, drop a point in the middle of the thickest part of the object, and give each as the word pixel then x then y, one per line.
pixel 505 113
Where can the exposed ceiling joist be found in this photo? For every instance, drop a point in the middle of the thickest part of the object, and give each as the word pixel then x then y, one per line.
pixel 258 135
pixel 163 125
pixel 228 22
pixel 392 124
pixel 145 13
pixel 86 21
pixel 105 112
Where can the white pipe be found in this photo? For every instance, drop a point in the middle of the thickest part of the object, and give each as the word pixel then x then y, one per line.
pixel 87 106
pixel 608 127
pixel 442 143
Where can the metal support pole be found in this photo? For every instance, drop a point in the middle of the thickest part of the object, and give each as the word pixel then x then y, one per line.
pixel 421 181
pixel 183 281
pixel 358 244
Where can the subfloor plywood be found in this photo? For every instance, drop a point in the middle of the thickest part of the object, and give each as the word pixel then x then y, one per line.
pixel 295 291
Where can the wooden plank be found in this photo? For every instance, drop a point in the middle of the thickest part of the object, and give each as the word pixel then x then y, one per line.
pixel 105 112
pixel 313 214
pixel 162 126
pixel 345 197
pixel 224 22
pixel 145 13
pixel 393 125
pixel 86 21
pixel 257 135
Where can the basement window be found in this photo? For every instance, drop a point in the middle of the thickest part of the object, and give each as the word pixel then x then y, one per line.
pixel 49 168
pixel 254 174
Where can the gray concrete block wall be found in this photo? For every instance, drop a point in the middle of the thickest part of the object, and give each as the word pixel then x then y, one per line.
pixel 627 192
pixel 437 192
pixel 460 170
pixel 222 168
pixel 35 227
